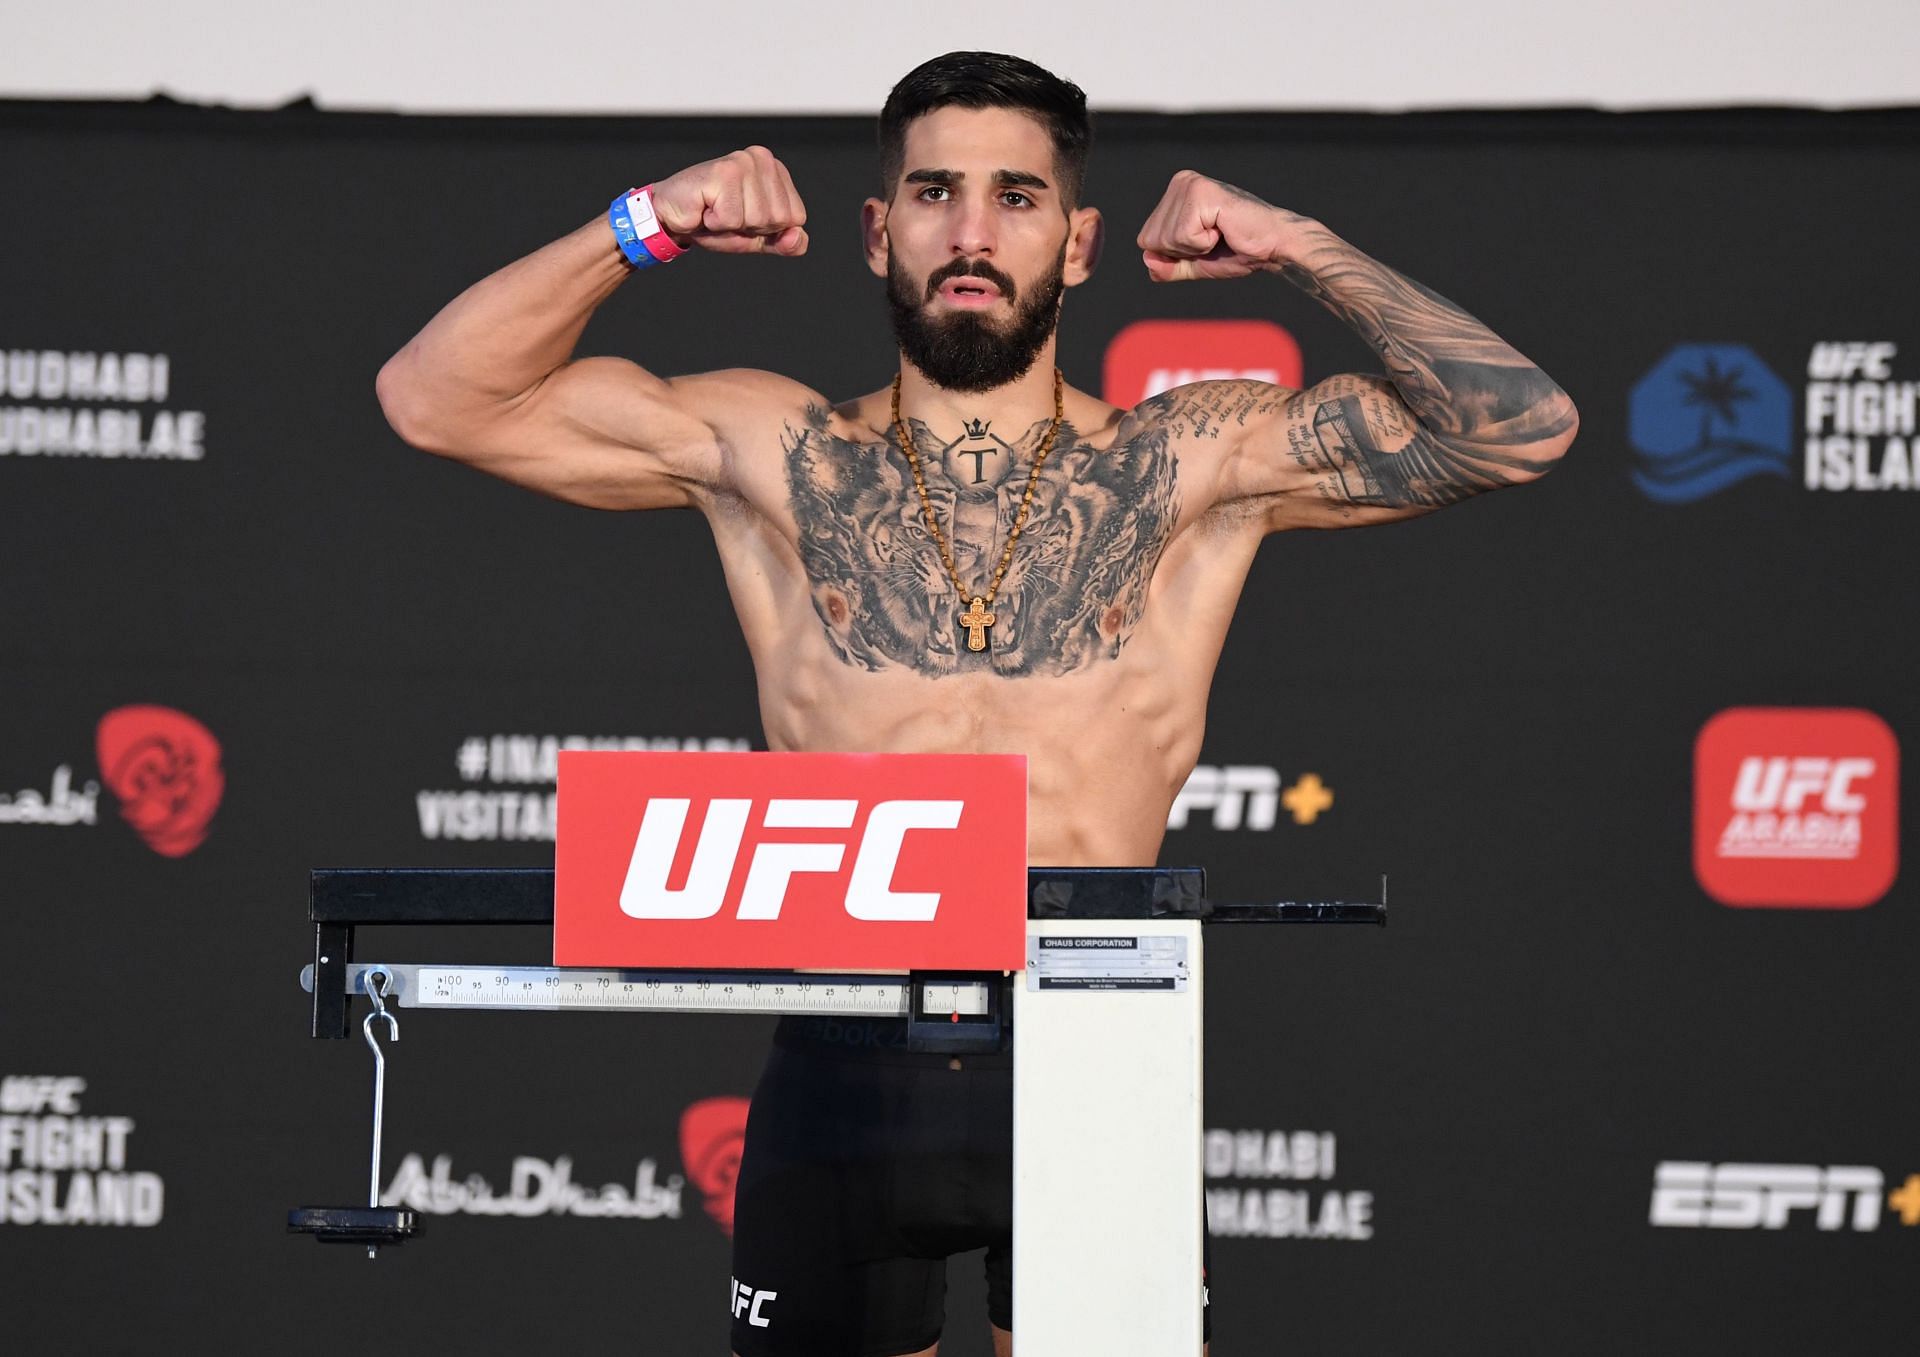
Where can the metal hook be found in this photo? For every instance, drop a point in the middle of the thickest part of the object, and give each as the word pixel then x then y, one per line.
pixel 377 978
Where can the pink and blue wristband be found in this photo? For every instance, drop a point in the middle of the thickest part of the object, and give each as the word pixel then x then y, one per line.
pixel 643 240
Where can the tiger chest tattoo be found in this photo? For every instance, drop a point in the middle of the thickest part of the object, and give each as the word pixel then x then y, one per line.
pixel 1076 584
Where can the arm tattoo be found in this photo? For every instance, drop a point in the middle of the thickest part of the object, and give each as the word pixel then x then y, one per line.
pixel 1078 581
pixel 1204 409
pixel 1337 437
pixel 1481 406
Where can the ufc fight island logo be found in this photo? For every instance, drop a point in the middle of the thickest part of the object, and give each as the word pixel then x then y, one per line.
pixel 1796 807
pixel 791 861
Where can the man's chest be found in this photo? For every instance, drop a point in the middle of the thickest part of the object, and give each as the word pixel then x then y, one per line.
pixel 1059 549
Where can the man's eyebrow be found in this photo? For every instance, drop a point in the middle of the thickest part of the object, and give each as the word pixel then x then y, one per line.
pixel 1012 178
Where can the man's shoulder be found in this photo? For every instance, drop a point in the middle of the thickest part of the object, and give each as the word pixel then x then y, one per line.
pixel 1202 430
pixel 750 391
pixel 781 408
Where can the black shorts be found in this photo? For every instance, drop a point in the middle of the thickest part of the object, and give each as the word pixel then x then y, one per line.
pixel 866 1166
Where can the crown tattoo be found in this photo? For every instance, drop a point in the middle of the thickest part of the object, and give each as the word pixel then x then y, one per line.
pixel 977 428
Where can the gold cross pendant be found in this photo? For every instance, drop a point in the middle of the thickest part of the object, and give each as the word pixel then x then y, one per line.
pixel 976 620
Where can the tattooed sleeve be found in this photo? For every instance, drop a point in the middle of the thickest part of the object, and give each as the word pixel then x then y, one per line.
pixel 1459 412
pixel 1077 581
pixel 1359 445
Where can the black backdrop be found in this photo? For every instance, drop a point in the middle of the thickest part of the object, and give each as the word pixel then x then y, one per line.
pixel 1503 700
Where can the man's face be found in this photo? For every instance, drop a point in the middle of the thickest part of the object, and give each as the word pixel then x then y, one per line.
pixel 977 246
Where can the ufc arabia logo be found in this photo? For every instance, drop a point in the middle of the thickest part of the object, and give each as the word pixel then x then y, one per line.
pixel 1765 1196
pixel 773 862
pixel 1796 807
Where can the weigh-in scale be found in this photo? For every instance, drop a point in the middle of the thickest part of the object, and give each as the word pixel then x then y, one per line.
pixel 1106 1035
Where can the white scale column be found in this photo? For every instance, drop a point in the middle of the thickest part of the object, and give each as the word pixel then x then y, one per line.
pixel 1107 1142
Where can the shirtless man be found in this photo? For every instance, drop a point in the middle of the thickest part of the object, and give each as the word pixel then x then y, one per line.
pixel 1053 578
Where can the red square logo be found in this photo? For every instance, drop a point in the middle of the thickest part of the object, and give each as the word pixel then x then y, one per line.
pixel 791 861
pixel 1796 807
pixel 1151 356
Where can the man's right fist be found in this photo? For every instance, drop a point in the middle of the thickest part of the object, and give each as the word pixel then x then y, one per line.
pixel 743 203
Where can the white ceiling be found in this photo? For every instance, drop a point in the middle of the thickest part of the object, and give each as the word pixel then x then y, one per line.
pixel 840 56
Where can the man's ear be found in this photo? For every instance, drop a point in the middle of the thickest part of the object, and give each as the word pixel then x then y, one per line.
pixel 873 235
pixel 1086 232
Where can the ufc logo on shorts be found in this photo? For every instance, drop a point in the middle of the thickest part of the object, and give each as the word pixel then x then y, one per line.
pixel 1787 784
pixel 748 1302
pixel 773 863
pixel 1765 1196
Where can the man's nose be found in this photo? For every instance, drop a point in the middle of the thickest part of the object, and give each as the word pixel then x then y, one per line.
pixel 973 228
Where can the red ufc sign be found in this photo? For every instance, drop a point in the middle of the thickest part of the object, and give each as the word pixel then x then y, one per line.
pixel 791 861
pixel 1796 807
pixel 1151 356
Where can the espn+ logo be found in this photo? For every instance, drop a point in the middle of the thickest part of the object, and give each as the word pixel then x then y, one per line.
pixel 773 862
pixel 1765 1196
pixel 1247 796
pixel 1796 807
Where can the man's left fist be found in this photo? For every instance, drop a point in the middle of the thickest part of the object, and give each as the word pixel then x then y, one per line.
pixel 1206 229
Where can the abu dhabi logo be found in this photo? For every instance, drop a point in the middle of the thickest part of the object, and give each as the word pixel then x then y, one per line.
pixel 165 768
pixel 536 1187
pixel 1705 417
pixel 713 1133
pixel 162 765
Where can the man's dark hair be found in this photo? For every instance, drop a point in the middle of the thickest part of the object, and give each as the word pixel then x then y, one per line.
pixel 990 80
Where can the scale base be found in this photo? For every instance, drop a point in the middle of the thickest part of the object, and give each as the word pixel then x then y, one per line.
pixel 373 1225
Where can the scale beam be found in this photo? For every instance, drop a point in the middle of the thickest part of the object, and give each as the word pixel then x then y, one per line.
pixel 554 989
pixel 344 899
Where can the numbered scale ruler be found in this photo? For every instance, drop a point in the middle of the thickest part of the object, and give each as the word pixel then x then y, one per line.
pixel 552 988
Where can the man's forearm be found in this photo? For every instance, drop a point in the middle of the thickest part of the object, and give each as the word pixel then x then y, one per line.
pixel 1466 385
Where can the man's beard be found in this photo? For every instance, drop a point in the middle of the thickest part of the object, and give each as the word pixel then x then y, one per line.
pixel 965 351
